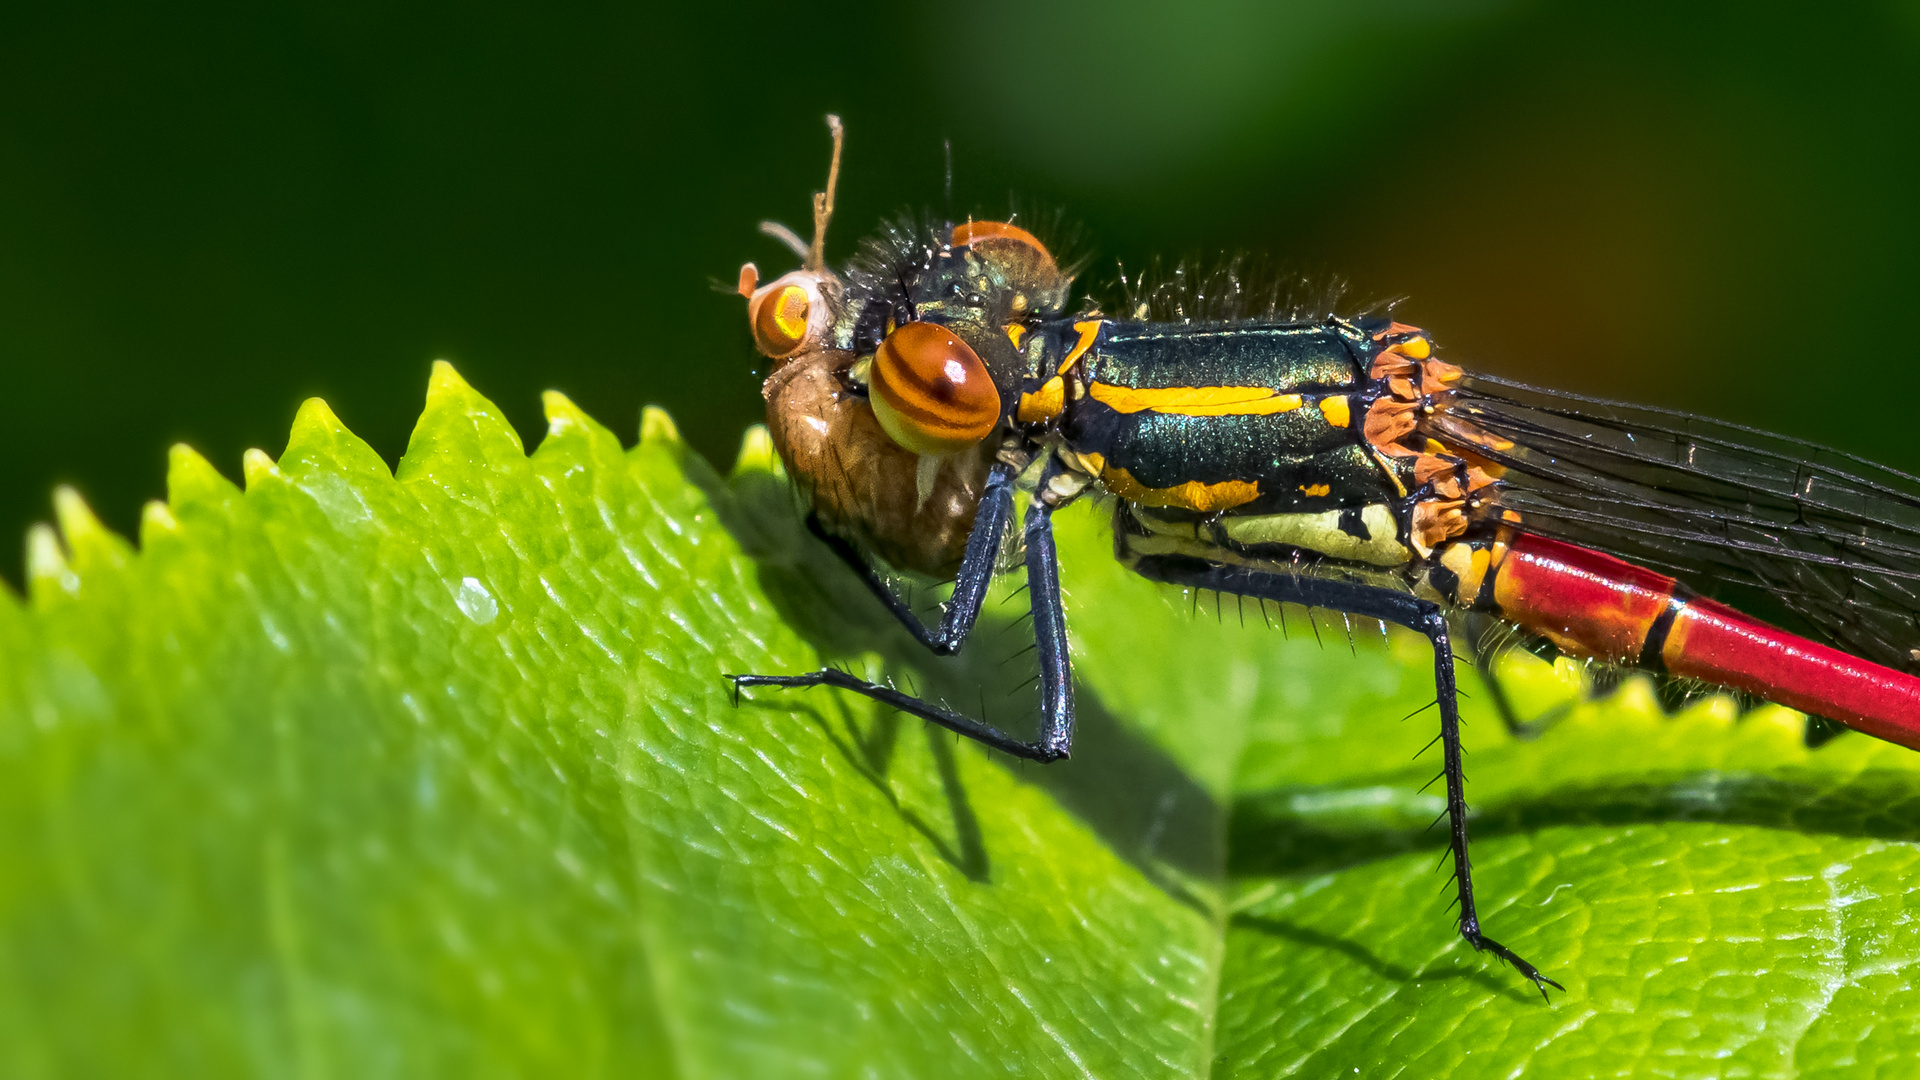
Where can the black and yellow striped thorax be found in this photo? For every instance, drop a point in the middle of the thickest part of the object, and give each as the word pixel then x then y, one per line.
pixel 1258 436
pixel 1253 419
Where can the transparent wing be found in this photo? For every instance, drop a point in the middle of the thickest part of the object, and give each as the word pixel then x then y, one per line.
pixel 1824 542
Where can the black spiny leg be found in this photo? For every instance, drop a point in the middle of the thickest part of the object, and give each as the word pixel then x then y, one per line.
pixel 969 590
pixel 1412 612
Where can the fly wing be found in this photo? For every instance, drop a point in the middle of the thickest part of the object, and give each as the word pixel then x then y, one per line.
pixel 1761 521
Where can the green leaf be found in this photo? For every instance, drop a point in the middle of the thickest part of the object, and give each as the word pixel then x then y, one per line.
pixel 437 773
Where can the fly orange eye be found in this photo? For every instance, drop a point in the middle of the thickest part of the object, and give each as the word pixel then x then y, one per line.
pixel 930 391
pixel 780 326
pixel 788 315
pixel 999 236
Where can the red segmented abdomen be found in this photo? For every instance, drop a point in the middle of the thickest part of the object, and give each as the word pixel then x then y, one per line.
pixel 1590 604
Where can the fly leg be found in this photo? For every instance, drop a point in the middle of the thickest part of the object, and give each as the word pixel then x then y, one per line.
pixel 976 572
pixel 1421 616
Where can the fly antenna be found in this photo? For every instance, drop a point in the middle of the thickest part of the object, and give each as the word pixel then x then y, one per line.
pixel 823 200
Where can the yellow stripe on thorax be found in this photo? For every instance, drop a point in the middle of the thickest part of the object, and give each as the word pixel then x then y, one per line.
pixel 1192 495
pixel 1043 404
pixel 1195 400
pixel 1088 330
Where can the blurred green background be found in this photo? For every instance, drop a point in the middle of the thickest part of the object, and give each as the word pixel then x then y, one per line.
pixel 210 212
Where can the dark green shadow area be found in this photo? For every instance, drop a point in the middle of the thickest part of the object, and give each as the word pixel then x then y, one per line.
pixel 1490 978
pixel 1280 833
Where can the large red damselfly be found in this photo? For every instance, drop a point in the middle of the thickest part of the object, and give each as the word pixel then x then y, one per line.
pixel 1312 459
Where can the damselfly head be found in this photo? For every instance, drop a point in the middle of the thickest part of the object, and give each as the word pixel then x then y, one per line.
pixel 955 311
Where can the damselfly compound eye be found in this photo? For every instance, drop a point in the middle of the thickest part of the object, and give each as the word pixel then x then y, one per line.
pixel 930 391
pixel 1018 261
pixel 991 235
pixel 788 315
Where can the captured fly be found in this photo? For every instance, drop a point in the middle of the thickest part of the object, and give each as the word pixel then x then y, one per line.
pixel 1337 464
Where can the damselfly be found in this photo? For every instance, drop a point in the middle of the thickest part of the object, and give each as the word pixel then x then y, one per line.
pixel 1331 462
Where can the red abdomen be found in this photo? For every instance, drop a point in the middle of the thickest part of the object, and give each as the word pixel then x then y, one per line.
pixel 1590 604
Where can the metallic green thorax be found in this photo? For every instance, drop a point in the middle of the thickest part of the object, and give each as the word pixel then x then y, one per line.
pixel 1288 447
pixel 1291 357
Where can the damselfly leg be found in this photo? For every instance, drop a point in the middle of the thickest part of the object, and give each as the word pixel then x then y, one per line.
pixel 1370 601
pixel 969 584
pixel 1488 642
pixel 1520 727
pixel 976 573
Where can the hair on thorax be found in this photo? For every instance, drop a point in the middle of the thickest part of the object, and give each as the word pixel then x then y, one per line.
pixel 1229 288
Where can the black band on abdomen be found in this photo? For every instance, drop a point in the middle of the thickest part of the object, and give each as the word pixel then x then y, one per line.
pixel 1651 650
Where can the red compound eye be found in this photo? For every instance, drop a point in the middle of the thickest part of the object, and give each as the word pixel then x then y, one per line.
pixel 998 235
pixel 1012 256
pixel 931 392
